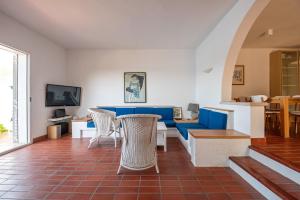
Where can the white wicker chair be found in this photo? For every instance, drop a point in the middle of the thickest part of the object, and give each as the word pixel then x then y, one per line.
pixel 105 123
pixel 138 150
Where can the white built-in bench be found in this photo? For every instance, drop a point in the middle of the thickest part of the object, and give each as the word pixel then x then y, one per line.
pixel 212 148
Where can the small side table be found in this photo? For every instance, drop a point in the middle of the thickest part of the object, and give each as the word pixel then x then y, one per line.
pixel 162 135
pixel 186 120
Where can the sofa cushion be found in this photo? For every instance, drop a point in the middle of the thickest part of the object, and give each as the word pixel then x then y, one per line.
pixel 165 112
pixel 144 110
pixel 204 117
pixel 90 124
pixel 217 120
pixel 183 128
pixel 125 110
pixel 107 108
pixel 169 123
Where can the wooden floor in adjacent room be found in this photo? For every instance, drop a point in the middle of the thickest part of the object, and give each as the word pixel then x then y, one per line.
pixel 66 169
pixel 286 151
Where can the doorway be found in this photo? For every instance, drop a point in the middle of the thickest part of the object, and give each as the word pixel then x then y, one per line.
pixel 14 112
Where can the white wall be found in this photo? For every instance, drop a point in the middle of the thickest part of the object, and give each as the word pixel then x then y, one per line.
pixel 217 55
pixel 257 65
pixel 170 75
pixel 47 65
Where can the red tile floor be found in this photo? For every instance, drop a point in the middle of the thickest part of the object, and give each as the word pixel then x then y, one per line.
pixel 283 150
pixel 66 169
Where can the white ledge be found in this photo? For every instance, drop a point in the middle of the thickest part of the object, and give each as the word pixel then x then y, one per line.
pixel 244 103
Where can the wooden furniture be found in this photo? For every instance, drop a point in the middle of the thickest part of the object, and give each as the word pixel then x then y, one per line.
pixel 54 131
pixel 284 73
pixel 186 120
pixel 242 99
pixel 64 122
pixel 217 134
pixel 272 110
pixel 212 148
pixel 285 102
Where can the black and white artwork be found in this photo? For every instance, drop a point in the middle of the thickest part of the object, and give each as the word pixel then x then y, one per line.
pixel 135 87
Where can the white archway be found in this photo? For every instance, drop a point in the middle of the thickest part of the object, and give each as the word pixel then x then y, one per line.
pixel 217 54
pixel 215 60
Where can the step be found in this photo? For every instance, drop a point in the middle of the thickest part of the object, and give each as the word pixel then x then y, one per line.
pixel 276 163
pixel 268 182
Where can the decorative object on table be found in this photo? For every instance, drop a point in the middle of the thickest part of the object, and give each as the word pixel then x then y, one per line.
pixel 194 110
pixel 243 99
pixel 138 151
pixel 238 75
pixel 259 98
pixel 177 113
pixel 135 87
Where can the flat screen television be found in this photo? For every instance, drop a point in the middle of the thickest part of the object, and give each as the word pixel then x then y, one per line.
pixel 61 95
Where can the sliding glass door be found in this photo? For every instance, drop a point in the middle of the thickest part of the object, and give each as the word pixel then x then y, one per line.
pixel 14 101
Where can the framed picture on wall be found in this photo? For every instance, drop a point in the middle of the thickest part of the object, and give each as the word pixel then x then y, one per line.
pixel 238 75
pixel 135 87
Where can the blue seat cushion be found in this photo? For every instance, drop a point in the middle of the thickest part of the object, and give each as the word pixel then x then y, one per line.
pixel 125 111
pixel 90 124
pixel 107 108
pixel 183 128
pixel 144 110
pixel 217 120
pixel 166 113
pixel 204 117
pixel 169 123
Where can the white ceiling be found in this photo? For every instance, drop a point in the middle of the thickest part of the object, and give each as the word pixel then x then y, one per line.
pixel 120 23
pixel 283 16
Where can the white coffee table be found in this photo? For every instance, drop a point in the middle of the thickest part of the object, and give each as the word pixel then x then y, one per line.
pixel 162 135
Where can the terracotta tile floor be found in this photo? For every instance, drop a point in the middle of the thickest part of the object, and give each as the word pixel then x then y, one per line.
pixel 286 151
pixel 6 142
pixel 66 169
pixel 283 186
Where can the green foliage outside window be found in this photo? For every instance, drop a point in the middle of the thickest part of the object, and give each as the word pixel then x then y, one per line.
pixel 3 129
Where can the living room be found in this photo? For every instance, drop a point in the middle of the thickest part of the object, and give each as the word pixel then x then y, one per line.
pixel 166 60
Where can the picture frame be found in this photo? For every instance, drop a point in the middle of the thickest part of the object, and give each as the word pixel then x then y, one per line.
pixel 177 112
pixel 135 87
pixel 238 77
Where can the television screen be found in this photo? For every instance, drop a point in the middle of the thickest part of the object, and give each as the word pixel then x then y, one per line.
pixel 60 95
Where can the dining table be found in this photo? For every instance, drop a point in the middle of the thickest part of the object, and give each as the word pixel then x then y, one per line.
pixel 285 102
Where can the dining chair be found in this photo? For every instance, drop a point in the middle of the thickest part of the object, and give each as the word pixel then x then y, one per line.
pixel 138 151
pixel 242 99
pixel 272 116
pixel 295 113
pixel 106 124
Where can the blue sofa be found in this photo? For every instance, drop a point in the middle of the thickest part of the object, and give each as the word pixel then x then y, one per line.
pixel 208 119
pixel 165 112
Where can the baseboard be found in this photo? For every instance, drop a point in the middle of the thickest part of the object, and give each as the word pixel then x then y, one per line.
pixel 40 138
pixel 258 141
